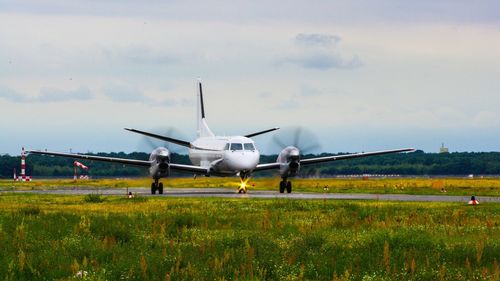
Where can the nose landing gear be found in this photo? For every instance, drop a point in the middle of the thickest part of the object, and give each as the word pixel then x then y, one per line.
pixel 285 184
pixel 156 186
pixel 243 185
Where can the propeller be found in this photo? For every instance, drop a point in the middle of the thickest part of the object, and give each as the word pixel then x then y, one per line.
pixel 299 137
pixel 148 143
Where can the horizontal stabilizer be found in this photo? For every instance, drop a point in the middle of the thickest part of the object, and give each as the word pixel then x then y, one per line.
pixel 172 140
pixel 163 138
pixel 261 132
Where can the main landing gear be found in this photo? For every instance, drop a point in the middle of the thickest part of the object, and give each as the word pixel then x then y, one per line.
pixel 285 184
pixel 156 186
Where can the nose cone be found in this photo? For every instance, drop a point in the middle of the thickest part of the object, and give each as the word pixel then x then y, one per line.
pixel 163 153
pixel 294 153
pixel 242 161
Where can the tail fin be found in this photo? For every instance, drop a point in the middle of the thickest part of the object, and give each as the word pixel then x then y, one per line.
pixel 203 130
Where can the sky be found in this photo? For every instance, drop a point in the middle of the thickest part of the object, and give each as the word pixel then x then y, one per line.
pixel 355 75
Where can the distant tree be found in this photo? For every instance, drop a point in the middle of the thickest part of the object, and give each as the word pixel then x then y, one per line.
pixel 417 163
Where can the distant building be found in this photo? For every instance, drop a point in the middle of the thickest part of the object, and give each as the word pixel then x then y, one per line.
pixel 443 149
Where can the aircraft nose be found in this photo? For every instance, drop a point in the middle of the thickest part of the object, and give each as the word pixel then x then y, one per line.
pixel 294 153
pixel 243 161
pixel 163 155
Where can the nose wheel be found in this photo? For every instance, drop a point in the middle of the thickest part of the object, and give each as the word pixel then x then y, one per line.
pixel 285 185
pixel 156 186
pixel 243 185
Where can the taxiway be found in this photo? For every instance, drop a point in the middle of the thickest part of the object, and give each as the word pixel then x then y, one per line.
pixel 230 193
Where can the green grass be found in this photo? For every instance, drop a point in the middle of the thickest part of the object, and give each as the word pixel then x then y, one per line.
pixel 46 237
pixel 453 186
pixel 94 198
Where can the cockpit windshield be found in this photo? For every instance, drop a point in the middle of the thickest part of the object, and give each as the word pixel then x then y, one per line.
pixel 249 146
pixel 236 146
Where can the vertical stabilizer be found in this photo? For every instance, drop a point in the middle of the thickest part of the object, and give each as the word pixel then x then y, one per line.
pixel 202 129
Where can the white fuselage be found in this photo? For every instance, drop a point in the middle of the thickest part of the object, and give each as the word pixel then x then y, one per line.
pixel 225 156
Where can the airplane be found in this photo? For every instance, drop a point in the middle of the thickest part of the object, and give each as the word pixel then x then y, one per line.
pixel 221 156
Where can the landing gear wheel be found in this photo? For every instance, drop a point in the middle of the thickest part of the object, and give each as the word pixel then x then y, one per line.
pixel 153 188
pixel 160 188
pixel 282 186
pixel 244 178
pixel 289 187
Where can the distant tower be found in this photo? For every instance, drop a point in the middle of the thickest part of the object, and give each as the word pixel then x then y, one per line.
pixel 23 176
pixel 443 149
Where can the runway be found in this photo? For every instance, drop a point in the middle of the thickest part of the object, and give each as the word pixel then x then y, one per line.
pixel 231 193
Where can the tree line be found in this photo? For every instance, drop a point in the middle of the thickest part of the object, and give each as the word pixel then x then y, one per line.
pixel 416 163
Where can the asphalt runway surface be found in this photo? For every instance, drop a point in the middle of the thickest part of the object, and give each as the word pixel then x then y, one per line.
pixel 231 193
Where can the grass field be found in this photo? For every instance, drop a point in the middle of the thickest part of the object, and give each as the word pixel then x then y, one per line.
pixel 45 237
pixel 453 186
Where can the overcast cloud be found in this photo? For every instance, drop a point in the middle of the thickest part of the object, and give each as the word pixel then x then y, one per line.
pixel 47 95
pixel 247 11
pixel 319 51
pixel 317 40
pixel 361 74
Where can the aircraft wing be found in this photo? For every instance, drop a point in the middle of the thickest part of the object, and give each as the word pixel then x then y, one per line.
pixel 189 168
pixel 95 158
pixel 351 156
pixel 173 166
pixel 269 166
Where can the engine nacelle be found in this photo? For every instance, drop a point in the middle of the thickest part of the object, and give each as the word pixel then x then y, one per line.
pixel 289 159
pixel 160 166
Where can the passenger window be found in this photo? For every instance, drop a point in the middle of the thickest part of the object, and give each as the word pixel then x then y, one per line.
pixel 249 146
pixel 226 147
pixel 236 146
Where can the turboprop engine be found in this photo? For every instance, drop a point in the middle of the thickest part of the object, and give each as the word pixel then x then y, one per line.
pixel 160 167
pixel 289 159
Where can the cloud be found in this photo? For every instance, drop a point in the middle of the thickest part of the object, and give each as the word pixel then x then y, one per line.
pixel 323 61
pixel 284 11
pixel 47 95
pixel 175 102
pixel 288 105
pixel 58 95
pixel 130 94
pixel 11 95
pixel 138 54
pixel 264 95
pixel 308 91
pixel 315 39
pixel 319 51
pixel 120 93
